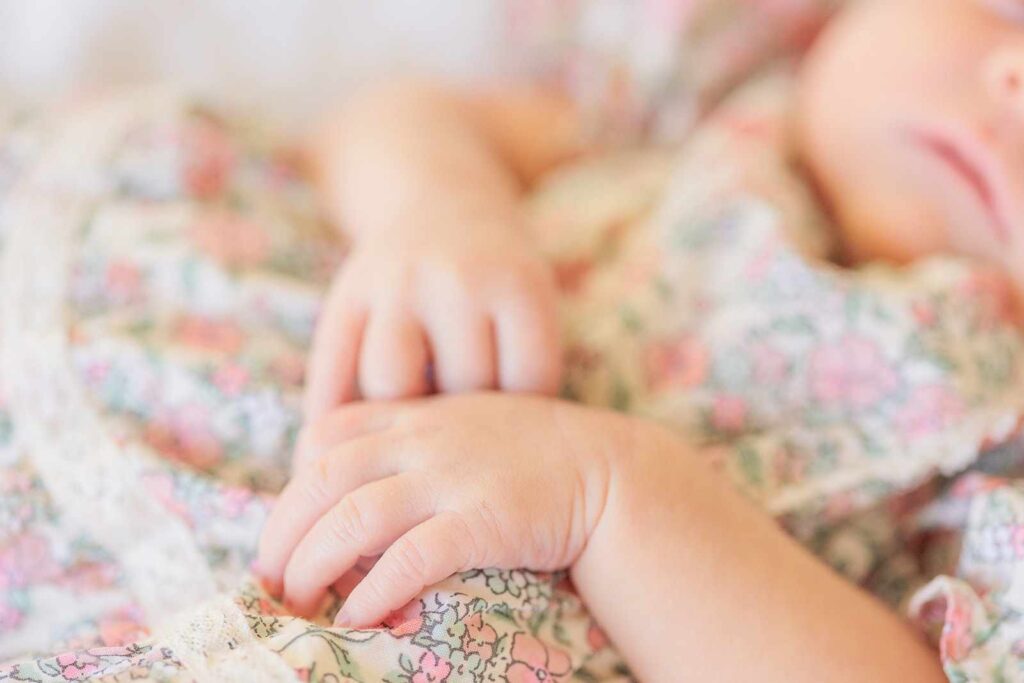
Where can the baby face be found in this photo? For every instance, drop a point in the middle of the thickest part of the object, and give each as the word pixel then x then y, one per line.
pixel 911 117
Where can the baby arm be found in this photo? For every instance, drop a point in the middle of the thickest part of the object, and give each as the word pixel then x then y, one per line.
pixel 426 182
pixel 689 580
pixel 692 582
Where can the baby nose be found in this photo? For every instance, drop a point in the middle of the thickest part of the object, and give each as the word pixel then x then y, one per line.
pixel 1004 76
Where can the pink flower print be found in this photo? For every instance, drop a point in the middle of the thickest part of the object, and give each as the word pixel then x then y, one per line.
pixel 534 662
pixel 284 166
pixel 1017 540
pixel 972 484
pixel 161 486
pixel 75 666
pixel 956 639
pixel 198 444
pixel 840 505
pixel 27 560
pixel 991 298
pixel 36 557
pixel 289 369
pixel 123 282
pixel 234 500
pixel 96 373
pixel 90 576
pixel 678 364
pixel 729 414
pixel 209 334
pixel 432 669
pixel 10 617
pixel 158 436
pixel 122 627
pixel 405 621
pixel 231 379
pixel 924 313
pixel 479 637
pixel 571 275
pixel 596 638
pixel 929 409
pixel 851 373
pixel 15 481
pixel 208 159
pixel 186 434
pixel 231 240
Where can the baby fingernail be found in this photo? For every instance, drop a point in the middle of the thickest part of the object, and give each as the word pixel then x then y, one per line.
pixel 342 619
pixel 272 588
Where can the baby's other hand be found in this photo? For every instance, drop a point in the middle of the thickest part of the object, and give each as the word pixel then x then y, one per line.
pixel 439 486
pixel 451 310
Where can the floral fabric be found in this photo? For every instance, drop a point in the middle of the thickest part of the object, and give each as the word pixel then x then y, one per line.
pixel 160 274
pixel 162 270
pixel 861 407
pixel 651 69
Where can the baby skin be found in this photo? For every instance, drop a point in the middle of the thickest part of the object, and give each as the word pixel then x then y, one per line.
pixel 911 113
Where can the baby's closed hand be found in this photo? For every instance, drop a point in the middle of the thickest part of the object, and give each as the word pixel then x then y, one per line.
pixel 453 310
pixel 438 486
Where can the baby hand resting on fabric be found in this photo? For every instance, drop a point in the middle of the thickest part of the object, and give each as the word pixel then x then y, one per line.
pixel 441 291
pixel 911 117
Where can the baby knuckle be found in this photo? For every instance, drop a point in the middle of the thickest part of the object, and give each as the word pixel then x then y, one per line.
pixel 484 523
pixel 372 591
pixel 465 542
pixel 314 482
pixel 408 561
pixel 347 521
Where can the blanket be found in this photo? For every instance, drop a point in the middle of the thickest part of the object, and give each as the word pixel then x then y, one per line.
pixel 162 268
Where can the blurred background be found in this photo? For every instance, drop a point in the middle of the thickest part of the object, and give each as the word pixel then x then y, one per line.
pixel 287 59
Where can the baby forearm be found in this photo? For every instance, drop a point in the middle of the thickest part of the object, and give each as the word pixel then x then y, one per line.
pixel 411 156
pixel 693 583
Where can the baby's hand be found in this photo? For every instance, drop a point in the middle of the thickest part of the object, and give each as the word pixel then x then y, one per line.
pixel 473 308
pixel 438 486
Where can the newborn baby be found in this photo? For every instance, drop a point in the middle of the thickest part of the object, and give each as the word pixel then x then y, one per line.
pixel 908 117
pixel 909 120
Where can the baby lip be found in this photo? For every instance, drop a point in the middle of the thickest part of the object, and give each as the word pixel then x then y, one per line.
pixel 955 154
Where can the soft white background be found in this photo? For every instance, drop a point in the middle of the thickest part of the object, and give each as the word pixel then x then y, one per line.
pixel 285 57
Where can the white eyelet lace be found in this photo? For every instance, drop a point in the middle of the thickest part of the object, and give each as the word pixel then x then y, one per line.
pixel 93 480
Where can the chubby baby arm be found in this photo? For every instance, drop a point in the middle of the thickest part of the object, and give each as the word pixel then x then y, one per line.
pixel 690 581
pixel 426 182
pixel 693 582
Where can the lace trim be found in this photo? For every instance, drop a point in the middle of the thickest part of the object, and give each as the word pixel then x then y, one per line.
pixel 93 480
pixel 216 644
